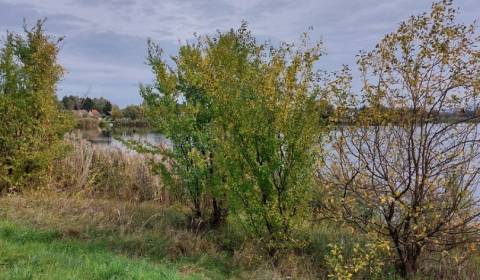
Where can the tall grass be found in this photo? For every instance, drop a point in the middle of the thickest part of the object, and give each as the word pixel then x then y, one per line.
pixel 87 123
pixel 111 196
pixel 105 171
pixel 43 254
pixel 125 122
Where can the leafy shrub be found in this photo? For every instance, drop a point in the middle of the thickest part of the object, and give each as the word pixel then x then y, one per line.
pixel 366 261
pixel 32 127
pixel 244 120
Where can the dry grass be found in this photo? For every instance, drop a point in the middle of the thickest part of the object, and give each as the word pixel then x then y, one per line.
pixel 288 266
pixel 161 233
pixel 87 122
pixel 48 209
pixel 106 171
pixel 111 197
pixel 84 218
pixel 147 230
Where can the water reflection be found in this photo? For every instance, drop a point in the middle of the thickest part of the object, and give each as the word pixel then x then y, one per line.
pixel 109 138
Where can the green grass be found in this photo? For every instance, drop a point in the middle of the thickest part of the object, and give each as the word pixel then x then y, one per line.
pixel 41 254
pixel 113 228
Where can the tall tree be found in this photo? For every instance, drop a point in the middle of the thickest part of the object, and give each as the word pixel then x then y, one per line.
pixel 134 112
pixel 181 110
pixel 71 102
pixel 400 173
pixel 244 122
pixel 32 129
pixel 87 104
pixel 107 108
pixel 116 112
pixel 266 102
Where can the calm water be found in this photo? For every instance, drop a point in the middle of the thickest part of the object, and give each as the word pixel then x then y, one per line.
pixel 109 138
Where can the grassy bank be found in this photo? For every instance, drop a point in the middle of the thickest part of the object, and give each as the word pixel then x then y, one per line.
pixel 45 254
pixel 107 205
pixel 54 235
pixel 106 215
pixel 57 235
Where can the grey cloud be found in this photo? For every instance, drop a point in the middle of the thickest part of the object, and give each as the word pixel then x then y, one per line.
pixel 12 17
pixel 210 8
pixel 105 44
pixel 110 65
pixel 109 3
pixel 163 33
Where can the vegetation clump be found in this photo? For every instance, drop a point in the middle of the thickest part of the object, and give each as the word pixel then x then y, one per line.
pixel 415 181
pixel 244 124
pixel 32 126
pixel 271 169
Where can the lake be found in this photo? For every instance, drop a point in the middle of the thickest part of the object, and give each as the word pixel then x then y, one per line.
pixel 108 139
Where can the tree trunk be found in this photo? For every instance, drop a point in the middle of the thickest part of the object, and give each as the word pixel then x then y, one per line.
pixel 410 268
pixel 218 214
pixel 409 264
pixel 198 208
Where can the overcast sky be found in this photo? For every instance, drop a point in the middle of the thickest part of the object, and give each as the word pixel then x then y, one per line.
pixel 105 46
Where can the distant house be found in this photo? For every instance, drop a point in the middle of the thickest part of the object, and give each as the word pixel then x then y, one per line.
pixel 87 120
pixel 95 114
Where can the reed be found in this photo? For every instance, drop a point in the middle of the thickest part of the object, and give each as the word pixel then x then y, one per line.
pixel 106 172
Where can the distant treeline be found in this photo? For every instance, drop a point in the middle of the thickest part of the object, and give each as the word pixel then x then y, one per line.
pixel 383 115
pixel 131 112
pixel 132 115
pixel 102 105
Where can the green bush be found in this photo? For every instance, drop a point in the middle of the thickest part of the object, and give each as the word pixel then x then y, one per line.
pixel 244 120
pixel 32 126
